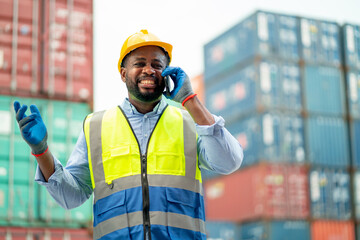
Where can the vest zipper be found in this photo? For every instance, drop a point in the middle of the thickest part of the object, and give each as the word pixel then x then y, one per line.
pixel 144 180
pixel 146 198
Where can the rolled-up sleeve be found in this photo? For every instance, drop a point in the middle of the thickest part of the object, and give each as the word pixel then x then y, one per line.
pixel 70 186
pixel 218 150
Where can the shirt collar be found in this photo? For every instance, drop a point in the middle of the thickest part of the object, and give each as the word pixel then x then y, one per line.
pixel 128 108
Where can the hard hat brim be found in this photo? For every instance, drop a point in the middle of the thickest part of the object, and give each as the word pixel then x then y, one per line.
pixel 166 46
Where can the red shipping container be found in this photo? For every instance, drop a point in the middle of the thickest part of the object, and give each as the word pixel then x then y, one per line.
pixel 19 46
pixel 275 191
pixel 198 86
pixel 68 54
pixel 21 233
pixel 330 230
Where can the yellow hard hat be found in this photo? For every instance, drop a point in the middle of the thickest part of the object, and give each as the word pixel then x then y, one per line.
pixel 140 39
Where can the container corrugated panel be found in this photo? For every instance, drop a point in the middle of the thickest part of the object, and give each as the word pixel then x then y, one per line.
pixel 320 41
pixel 356 191
pixel 222 230
pixel 278 191
pixel 271 137
pixel 324 91
pixel 68 50
pixel 263 33
pixel 328 230
pixel 351 35
pixel 19 46
pixel 330 194
pixel 21 200
pixel 353 92
pixel 275 230
pixel 267 84
pixel 355 142
pixel 18 233
pixel 327 141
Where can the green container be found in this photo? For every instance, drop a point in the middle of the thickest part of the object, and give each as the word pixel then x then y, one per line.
pixel 23 202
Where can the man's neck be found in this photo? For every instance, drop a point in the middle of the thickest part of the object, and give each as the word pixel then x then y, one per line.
pixel 143 107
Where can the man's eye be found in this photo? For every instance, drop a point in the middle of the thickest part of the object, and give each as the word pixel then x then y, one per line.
pixel 139 64
pixel 157 66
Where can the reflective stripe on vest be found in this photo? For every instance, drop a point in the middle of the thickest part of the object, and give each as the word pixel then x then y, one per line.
pixel 173 176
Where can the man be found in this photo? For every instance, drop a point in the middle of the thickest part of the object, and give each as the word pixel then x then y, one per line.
pixel 142 159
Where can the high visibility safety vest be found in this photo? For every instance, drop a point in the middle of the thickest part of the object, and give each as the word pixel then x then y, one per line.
pixel 158 193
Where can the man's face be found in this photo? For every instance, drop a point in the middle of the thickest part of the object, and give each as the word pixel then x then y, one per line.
pixel 142 73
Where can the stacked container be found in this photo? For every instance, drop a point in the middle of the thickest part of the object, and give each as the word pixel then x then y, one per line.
pixel 278 81
pixel 351 53
pixel 46 60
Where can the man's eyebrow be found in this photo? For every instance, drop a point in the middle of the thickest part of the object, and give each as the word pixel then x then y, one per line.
pixel 140 59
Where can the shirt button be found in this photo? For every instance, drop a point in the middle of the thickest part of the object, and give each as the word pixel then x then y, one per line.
pixel 145 116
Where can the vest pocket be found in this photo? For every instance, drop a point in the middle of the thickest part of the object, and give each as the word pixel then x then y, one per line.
pixel 117 163
pixel 111 216
pixel 169 163
pixel 183 211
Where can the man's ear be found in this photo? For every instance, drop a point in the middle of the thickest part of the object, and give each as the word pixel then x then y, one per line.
pixel 123 74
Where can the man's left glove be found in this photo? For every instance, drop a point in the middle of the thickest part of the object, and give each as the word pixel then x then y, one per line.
pixel 182 86
pixel 32 128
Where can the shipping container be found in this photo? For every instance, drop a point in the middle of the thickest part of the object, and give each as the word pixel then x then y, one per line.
pixel 351 36
pixel 324 91
pixel 20 233
pixel 327 141
pixel 46 49
pixel 262 33
pixel 67 53
pixel 355 142
pixel 320 42
pixel 356 196
pixel 222 230
pixel 353 92
pixel 330 193
pixel 22 201
pixel 275 230
pixel 260 85
pixel 271 137
pixel 276 191
pixel 19 46
pixel 198 86
pixel 330 230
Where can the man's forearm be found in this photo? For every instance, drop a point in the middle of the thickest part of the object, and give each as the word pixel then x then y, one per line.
pixel 199 112
pixel 46 164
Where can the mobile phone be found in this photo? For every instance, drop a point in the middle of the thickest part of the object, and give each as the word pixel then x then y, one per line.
pixel 167 85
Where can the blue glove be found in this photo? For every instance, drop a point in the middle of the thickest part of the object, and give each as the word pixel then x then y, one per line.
pixel 32 128
pixel 182 86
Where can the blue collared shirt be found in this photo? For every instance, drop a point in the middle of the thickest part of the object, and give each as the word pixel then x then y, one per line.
pixel 70 186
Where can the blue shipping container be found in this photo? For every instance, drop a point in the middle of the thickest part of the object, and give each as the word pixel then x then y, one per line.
pixel 353 92
pixel 276 230
pixel 271 137
pixel 351 35
pixel 355 142
pixel 257 86
pixel 320 42
pixel 356 191
pixel 330 193
pixel 327 141
pixel 222 230
pixel 263 33
pixel 324 90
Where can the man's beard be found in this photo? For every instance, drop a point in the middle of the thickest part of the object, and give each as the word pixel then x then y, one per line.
pixel 134 90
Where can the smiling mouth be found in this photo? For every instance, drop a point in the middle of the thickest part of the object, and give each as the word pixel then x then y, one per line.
pixel 147 82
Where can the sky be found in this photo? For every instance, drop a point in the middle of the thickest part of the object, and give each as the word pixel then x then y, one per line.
pixel 188 25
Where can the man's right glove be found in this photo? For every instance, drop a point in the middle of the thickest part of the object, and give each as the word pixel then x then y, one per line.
pixel 182 89
pixel 32 128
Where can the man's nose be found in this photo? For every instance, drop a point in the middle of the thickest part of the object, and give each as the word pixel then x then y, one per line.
pixel 148 69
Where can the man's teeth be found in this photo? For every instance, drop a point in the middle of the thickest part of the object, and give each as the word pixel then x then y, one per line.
pixel 147 82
